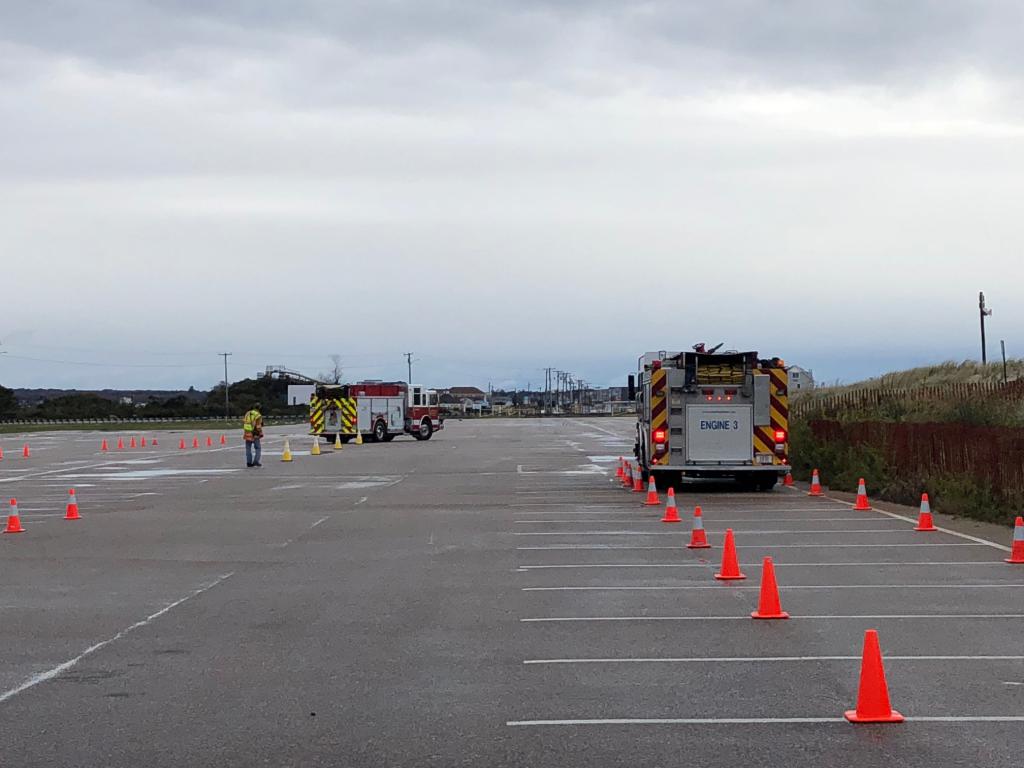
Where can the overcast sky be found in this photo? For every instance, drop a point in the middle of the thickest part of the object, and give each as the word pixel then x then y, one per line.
pixel 503 186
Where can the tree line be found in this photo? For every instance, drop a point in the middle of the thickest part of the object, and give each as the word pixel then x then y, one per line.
pixel 270 393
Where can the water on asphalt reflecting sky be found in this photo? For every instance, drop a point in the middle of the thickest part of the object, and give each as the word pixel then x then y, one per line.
pixel 500 187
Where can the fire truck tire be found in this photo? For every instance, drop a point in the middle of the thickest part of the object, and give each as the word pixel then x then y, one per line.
pixel 380 432
pixel 425 431
pixel 389 437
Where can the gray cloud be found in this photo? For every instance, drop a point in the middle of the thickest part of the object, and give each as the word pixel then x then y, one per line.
pixel 503 181
pixel 798 40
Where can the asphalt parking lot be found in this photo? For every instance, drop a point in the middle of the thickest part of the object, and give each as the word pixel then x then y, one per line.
pixel 490 597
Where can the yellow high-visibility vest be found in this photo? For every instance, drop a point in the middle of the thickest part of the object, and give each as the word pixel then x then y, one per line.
pixel 250 419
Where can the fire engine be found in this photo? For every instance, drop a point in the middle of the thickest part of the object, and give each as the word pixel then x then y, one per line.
pixel 380 410
pixel 702 415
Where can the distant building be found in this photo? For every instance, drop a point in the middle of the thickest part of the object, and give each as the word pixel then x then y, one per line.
pixel 800 379
pixel 463 399
pixel 299 394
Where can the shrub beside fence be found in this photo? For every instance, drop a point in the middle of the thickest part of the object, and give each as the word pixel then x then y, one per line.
pixel 977 471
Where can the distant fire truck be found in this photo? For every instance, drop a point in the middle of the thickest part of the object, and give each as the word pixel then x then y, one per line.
pixel 708 416
pixel 380 410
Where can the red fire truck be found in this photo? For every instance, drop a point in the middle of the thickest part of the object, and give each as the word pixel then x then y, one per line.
pixel 380 410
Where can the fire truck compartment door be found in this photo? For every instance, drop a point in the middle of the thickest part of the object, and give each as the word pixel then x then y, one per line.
pixel 719 433
pixel 396 417
pixel 364 414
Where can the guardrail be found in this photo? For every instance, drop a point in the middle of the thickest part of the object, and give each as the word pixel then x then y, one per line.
pixel 142 420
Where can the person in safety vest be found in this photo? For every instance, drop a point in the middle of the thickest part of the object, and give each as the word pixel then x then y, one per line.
pixel 252 424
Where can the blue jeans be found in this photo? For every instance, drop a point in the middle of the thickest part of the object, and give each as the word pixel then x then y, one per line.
pixel 248 451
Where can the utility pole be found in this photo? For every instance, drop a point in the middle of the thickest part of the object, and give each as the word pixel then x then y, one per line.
pixel 227 402
pixel 408 361
pixel 983 312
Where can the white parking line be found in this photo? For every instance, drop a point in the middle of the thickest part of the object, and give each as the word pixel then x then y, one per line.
pixel 680 532
pixel 754 720
pixel 601 547
pixel 53 672
pixel 977 539
pixel 657 521
pixel 788 587
pixel 758 659
pixel 901 564
pixel 816 617
pixel 619 508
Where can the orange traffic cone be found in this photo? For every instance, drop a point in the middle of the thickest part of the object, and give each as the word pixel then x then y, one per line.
pixel 638 482
pixel 103 445
pixel 627 476
pixel 209 442
pixel 13 520
pixel 652 493
pixel 133 444
pixel 223 440
pixel 769 606
pixel 120 443
pixel 873 696
pixel 1 454
pixel 619 472
pixel 195 442
pixel 1017 552
pixel 924 519
pixel 698 538
pixel 72 511
pixel 730 569
pixel 671 513
pixel 142 442
pixel 181 444
pixel 788 481
pixel 815 485
pixel 25 452
pixel 862 497
pixel 154 442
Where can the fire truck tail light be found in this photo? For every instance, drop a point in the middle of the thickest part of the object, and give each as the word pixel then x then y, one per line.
pixel 780 435
pixel 660 435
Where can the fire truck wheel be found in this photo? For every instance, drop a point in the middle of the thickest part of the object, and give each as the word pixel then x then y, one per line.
pixel 380 431
pixel 426 429
pixel 389 437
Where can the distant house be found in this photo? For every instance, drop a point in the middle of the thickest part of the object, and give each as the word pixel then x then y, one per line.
pixel 299 394
pixel 462 393
pixel 800 379
pixel 462 399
